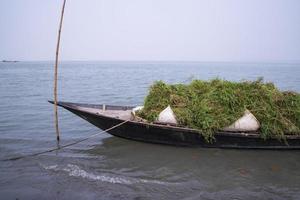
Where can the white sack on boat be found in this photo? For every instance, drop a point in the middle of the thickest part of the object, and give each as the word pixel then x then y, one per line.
pixel 247 122
pixel 135 109
pixel 167 116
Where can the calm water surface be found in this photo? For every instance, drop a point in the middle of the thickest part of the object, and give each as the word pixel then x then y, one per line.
pixel 112 168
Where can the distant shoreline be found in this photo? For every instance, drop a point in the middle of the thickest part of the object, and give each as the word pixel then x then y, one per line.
pixel 296 62
pixel 10 61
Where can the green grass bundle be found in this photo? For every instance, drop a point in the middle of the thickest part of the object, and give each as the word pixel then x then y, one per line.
pixel 212 105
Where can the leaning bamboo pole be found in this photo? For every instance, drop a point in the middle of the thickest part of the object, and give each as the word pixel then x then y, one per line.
pixel 55 70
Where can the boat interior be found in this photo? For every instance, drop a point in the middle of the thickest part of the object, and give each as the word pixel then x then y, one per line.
pixel 119 112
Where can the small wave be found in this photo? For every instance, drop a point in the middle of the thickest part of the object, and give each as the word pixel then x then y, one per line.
pixel 51 167
pixel 75 171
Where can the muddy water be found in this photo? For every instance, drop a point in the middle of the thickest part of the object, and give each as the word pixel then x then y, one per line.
pixel 112 168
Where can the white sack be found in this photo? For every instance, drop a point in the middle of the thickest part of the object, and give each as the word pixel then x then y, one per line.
pixel 135 109
pixel 167 116
pixel 247 122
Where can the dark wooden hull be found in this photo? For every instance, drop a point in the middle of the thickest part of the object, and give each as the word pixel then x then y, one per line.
pixel 164 134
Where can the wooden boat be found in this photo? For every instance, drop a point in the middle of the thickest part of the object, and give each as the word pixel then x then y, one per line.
pixel 106 116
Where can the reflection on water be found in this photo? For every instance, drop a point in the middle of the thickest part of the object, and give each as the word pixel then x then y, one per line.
pixel 138 169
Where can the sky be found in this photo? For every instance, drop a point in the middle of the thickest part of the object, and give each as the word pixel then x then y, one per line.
pixel 152 30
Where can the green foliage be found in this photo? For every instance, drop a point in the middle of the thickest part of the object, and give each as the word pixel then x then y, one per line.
pixel 212 105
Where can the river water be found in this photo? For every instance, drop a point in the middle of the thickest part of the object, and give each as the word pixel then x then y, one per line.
pixel 107 167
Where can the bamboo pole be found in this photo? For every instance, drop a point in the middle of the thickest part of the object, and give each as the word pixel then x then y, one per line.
pixel 55 71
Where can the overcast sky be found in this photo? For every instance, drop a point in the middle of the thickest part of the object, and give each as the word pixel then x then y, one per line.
pixel 186 30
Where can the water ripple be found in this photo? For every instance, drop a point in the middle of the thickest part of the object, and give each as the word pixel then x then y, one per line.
pixel 76 171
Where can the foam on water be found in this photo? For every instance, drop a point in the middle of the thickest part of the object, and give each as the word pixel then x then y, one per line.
pixel 76 171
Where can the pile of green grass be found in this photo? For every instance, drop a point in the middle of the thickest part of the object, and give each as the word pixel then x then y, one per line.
pixel 212 105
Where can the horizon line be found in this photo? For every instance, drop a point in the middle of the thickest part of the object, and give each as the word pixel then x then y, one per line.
pixel 183 61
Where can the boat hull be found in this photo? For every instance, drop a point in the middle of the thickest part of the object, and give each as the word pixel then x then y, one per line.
pixel 170 135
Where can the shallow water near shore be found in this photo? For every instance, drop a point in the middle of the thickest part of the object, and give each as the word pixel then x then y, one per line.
pixel 107 167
